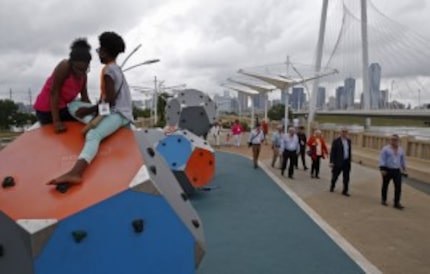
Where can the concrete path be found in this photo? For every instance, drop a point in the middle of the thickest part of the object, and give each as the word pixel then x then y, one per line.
pixel 394 241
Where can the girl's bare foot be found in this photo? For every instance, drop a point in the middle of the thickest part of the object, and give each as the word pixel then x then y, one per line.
pixel 67 178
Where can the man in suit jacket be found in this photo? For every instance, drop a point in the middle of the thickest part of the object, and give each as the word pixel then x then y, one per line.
pixel 340 160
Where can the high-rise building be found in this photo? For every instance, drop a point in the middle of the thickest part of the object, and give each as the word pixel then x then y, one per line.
pixel 340 98
pixel 374 85
pixel 259 101
pixel 223 102
pixel 331 103
pixel 349 85
pixel 242 102
pixel 383 103
pixel 297 98
pixel 320 98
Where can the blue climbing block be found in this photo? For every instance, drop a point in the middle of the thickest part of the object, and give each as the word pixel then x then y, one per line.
pixel 164 245
pixel 176 150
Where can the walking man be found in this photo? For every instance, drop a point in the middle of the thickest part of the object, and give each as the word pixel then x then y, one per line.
pixel 340 161
pixel 302 141
pixel 392 163
pixel 255 139
pixel 290 147
pixel 276 145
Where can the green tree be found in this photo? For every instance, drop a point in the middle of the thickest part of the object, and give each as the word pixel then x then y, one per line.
pixel 161 109
pixel 137 112
pixel 277 112
pixel 8 109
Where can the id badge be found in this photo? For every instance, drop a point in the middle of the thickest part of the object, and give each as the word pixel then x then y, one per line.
pixel 104 109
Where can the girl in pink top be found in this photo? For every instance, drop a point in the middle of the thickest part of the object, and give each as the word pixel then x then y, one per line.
pixel 67 81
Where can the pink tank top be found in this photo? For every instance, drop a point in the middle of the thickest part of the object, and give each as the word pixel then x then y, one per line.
pixel 72 86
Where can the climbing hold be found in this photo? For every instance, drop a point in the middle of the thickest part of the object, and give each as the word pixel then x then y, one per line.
pixel 138 225
pixel 195 223
pixel 150 151
pixel 62 188
pixel 79 235
pixel 8 181
pixel 184 196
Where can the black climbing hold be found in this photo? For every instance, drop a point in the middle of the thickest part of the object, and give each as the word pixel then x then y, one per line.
pixel 138 225
pixel 202 113
pixel 205 143
pixel 8 181
pixel 79 235
pixel 179 140
pixel 163 144
pixel 184 196
pixel 153 169
pixel 183 120
pixel 201 153
pixel 182 94
pixel 185 133
pixel 210 163
pixel 150 151
pixel 201 96
pixel 146 131
pixel 174 164
pixel 62 188
pixel 194 179
pixel 195 223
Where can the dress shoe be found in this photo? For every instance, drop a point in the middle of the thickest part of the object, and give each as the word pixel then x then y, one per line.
pixel 346 194
pixel 384 203
pixel 399 206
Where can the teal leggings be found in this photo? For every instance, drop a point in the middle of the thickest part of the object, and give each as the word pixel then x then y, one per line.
pixel 106 127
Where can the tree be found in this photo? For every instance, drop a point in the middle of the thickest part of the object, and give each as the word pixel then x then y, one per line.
pixel 161 109
pixel 277 112
pixel 10 116
pixel 8 110
pixel 137 112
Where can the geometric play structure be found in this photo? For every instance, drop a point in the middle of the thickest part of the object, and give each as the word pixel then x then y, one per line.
pixel 191 109
pixel 129 215
pixel 190 157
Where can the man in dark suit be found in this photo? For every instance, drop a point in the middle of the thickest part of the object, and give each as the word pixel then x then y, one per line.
pixel 340 160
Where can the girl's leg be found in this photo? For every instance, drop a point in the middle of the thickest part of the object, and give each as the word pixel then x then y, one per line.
pixel 106 127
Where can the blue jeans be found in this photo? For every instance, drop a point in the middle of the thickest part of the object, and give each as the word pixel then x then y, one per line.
pixel 106 127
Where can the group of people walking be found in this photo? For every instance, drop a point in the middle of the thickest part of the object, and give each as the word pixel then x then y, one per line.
pixel 292 145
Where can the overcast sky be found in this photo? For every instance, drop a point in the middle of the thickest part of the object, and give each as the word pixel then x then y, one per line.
pixel 200 42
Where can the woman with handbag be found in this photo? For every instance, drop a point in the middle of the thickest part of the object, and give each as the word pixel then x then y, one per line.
pixel 115 107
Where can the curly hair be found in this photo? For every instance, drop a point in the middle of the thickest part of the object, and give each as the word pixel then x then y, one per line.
pixel 80 50
pixel 112 43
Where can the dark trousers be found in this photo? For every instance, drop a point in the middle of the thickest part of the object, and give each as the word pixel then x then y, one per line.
pixel 396 175
pixel 292 157
pixel 303 156
pixel 45 117
pixel 315 167
pixel 345 168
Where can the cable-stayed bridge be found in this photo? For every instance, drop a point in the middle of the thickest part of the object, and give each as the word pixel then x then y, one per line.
pixel 381 65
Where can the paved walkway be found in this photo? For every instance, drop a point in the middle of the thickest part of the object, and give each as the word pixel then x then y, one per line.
pixel 394 241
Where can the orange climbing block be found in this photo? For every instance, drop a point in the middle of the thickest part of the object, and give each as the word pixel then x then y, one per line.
pixel 200 167
pixel 37 156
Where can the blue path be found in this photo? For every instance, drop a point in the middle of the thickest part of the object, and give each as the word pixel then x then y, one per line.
pixel 252 226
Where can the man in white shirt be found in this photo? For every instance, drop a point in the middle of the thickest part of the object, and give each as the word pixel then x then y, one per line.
pixel 290 148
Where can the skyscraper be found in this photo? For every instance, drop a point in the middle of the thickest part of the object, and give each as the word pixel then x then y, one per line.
pixel 349 85
pixel 297 98
pixel 320 98
pixel 242 101
pixel 374 85
pixel 340 98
